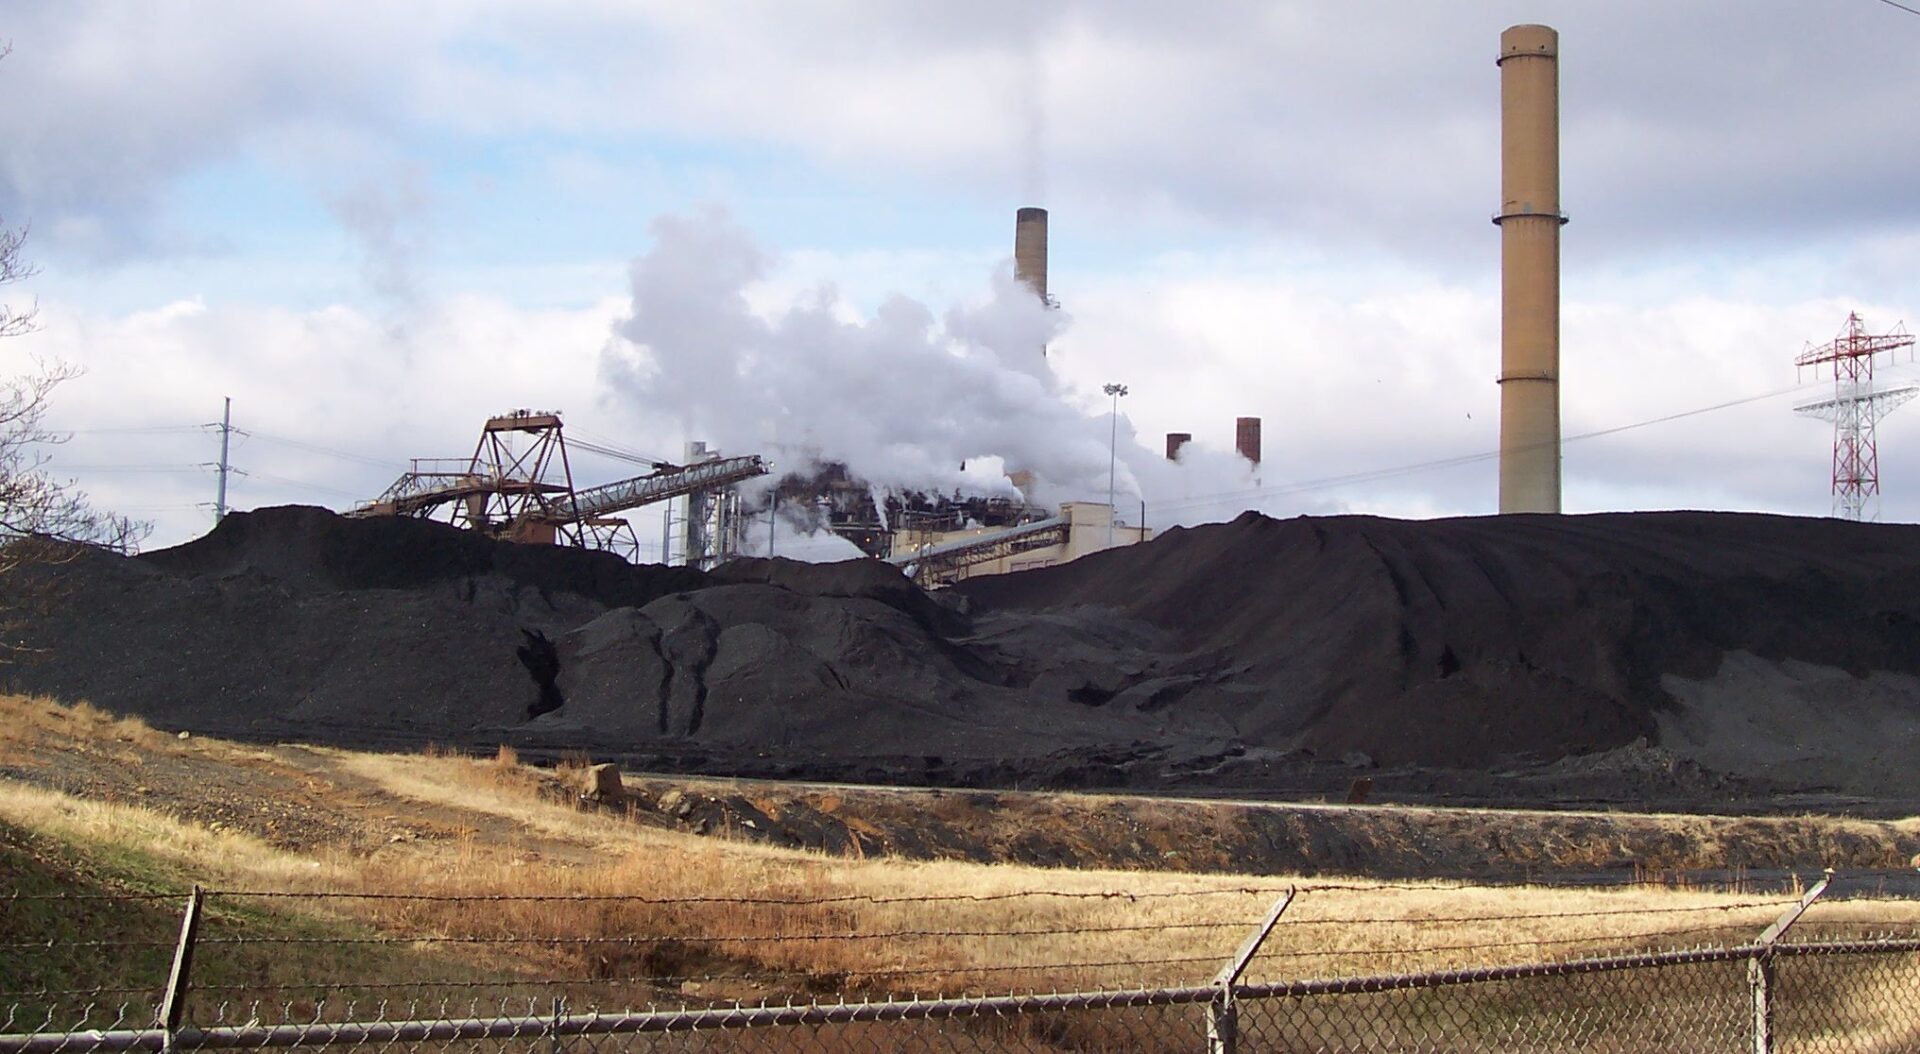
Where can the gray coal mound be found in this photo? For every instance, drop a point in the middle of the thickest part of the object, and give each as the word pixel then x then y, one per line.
pixel 1227 655
pixel 1459 642
pixel 310 551
pixel 296 618
pixel 295 621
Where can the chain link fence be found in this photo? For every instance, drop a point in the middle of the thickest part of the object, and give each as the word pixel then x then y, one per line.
pixel 1320 968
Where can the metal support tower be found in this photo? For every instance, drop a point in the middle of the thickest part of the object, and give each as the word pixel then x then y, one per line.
pixel 528 477
pixel 1856 407
pixel 710 530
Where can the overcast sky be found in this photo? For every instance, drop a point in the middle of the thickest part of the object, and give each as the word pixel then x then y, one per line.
pixel 375 225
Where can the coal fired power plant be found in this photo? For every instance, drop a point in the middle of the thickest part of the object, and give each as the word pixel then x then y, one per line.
pixel 942 532
pixel 1529 220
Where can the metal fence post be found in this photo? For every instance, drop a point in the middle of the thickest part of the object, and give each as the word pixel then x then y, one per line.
pixel 1223 1025
pixel 556 1045
pixel 1760 966
pixel 174 1002
pixel 1223 1013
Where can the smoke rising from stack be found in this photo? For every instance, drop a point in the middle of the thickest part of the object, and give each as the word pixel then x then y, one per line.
pixel 1031 99
pixel 903 397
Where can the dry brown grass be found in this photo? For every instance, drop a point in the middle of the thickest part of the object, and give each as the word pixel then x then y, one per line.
pixel 28 718
pixel 683 906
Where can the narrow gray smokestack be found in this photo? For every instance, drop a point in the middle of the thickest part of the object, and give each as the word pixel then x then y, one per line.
pixel 1246 438
pixel 1176 440
pixel 1030 249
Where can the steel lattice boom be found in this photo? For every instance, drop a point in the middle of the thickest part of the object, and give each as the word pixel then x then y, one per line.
pixel 524 491
pixel 1856 407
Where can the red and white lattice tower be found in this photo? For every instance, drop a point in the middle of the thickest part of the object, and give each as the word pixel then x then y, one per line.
pixel 1855 408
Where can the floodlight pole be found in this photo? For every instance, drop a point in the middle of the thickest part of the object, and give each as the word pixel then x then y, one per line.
pixel 1113 443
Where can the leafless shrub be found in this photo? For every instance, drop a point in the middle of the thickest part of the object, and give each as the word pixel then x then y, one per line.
pixel 43 520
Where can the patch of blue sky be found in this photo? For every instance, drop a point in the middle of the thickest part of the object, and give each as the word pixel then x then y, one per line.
pixel 558 197
pixel 233 231
pixel 244 207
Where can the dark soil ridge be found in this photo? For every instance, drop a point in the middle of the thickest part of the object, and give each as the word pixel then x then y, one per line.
pixel 1460 642
pixel 1092 831
pixel 1448 656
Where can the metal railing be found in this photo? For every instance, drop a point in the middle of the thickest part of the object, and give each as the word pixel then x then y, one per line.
pixel 1759 995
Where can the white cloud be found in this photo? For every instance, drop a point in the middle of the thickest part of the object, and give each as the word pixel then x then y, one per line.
pixel 1349 125
pixel 1363 397
pixel 1346 154
pixel 334 378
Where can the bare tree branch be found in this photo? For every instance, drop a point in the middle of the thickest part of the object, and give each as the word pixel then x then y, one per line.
pixel 43 520
pixel 14 268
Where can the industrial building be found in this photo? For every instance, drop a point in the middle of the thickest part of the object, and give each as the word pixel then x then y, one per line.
pixel 528 493
pixel 518 484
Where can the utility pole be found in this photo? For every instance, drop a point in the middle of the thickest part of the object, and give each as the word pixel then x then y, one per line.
pixel 226 436
pixel 1113 441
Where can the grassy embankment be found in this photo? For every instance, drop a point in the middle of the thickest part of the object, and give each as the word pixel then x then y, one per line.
pixel 508 840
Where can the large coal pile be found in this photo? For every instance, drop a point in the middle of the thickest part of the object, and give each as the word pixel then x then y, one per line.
pixel 295 621
pixel 1458 642
pixel 1611 651
pixel 295 618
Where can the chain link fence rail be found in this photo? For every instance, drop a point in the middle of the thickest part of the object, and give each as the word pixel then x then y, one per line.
pixel 1839 991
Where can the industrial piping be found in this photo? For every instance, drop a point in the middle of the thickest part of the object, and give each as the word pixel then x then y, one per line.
pixel 1529 222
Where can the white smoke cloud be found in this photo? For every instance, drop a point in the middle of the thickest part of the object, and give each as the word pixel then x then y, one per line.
pixel 384 219
pixel 904 397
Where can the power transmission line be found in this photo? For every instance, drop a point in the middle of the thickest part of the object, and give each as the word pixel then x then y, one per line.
pixel 1903 7
pixel 315 448
pixel 130 468
pixel 147 430
pixel 300 483
pixel 1372 475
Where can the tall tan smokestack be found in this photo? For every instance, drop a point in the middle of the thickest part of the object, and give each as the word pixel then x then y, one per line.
pixel 1030 249
pixel 1246 438
pixel 1529 221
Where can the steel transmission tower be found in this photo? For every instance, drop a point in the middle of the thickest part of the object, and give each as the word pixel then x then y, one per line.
pixel 1855 408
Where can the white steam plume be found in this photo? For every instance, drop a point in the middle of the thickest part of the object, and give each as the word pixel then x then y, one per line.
pixel 1032 103
pixel 903 398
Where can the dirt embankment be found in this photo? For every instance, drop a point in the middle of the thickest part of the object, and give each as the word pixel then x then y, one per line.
pixel 318 802
pixel 1526 659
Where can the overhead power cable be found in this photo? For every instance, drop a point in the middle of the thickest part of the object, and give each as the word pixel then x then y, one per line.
pixel 290 482
pixel 1390 472
pixel 1903 7
pixel 60 467
pixel 130 431
pixel 315 448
